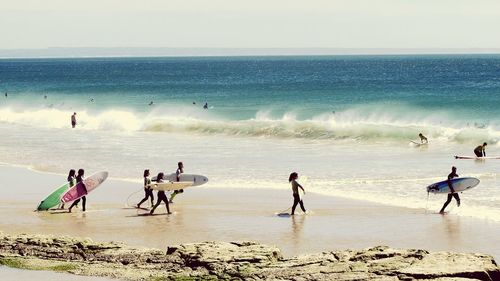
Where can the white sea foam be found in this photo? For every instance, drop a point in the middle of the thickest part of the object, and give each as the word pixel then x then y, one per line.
pixel 360 123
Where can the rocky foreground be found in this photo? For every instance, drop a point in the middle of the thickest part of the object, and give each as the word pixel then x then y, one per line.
pixel 237 261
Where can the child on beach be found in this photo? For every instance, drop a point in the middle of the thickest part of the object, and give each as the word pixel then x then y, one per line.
pixel 161 197
pixel 180 170
pixel 295 189
pixel 148 192
pixel 79 179
pixel 452 175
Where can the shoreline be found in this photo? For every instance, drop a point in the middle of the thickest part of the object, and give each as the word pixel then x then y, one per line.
pixel 206 214
pixel 243 260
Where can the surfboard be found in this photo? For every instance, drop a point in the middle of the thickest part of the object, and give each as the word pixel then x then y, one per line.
pixel 53 199
pixel 78 191
pixel 459 185
pixel 476 158
pixel 195 179
pixel 417 143
pixel 169 185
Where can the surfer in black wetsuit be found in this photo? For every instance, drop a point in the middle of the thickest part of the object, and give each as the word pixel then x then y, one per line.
pixel 79 179
pixel 180 170
pixel 161 197
pixel 423 139
pixel 148 192
pixel 295 189
pixel 71 180
pixel 73 120
pixel 452 194
pixel 480 151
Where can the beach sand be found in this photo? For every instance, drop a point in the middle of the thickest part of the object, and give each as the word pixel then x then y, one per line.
pixel 209 213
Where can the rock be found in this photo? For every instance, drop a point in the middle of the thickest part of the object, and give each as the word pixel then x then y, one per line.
pixel 238 261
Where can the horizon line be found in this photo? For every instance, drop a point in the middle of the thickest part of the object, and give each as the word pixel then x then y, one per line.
pixel 96 52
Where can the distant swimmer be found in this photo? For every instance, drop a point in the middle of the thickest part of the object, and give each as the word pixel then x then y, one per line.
pixel 148 192
pixel 205 106
pixel 480 151
pixel 79 179
pixel 295 189
pixel 194 103
pixel 151 103
pixel 45 96
pixel 178 172
pixel 423 139
pixel 161 197
pixel 6 95
pixel 452 175
pixel 91 99
pixel 73 120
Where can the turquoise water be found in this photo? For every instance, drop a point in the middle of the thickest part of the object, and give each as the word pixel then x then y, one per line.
pixel 343 121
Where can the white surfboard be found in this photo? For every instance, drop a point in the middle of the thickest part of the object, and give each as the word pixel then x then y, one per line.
pixel 476 158
pixel 459 185
pixel 169 186
pixel 417 143
pixel 196 180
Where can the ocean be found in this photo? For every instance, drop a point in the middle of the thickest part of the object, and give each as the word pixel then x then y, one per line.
pixel 345 122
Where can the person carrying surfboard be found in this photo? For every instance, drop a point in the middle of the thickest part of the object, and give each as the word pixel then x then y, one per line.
pixel 71 180
pixel 161 197
pixel 79 179
pixel 480 151
pixel 423 139
pixel 295 189
pixel 180 170
pixel 148 192
pixel 452 194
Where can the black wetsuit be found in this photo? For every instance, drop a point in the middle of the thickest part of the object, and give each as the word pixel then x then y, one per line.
pixel 148 192
pixel 161 198
pixel 479 151
pixel 79 179
pixel 296 197
pixel 451 195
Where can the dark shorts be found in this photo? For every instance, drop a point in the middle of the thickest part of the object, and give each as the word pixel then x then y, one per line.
pixel 478 153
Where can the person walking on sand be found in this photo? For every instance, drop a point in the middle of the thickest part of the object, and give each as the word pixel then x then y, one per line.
pixel 423 139
pixel 295 189
pixel 148 192
pixel 480 151
pixel 161 197
pixel 452 193
pixel 79 179
pixel 178 172
pixel 73 120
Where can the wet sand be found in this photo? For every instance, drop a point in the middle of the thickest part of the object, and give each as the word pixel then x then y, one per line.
pixel 210 213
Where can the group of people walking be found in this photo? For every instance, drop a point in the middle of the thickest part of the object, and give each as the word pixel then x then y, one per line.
pixel 161 195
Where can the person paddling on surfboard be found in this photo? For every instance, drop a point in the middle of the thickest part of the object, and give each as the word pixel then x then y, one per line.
pixel 423 139
pixel 480 151
pixel 295 189
pixel 79 179
pixel 452 193
pixel 148 192
pixel 180 170
pixel 161 196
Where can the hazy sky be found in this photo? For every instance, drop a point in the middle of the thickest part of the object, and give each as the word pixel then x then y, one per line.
pixel 250 24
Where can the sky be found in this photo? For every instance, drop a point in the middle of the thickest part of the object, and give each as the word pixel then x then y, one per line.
pixel 34 24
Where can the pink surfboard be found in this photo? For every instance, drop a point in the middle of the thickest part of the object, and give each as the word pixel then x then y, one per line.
pixel 78 191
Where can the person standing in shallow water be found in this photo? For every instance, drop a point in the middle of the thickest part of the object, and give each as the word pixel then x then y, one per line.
pixel 452 193
pixel 295 189
pixel 79 179
pixel 148 192
pixel 161 197
pixel 73 120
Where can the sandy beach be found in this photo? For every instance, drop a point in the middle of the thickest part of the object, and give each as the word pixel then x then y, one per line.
pixel 209 213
